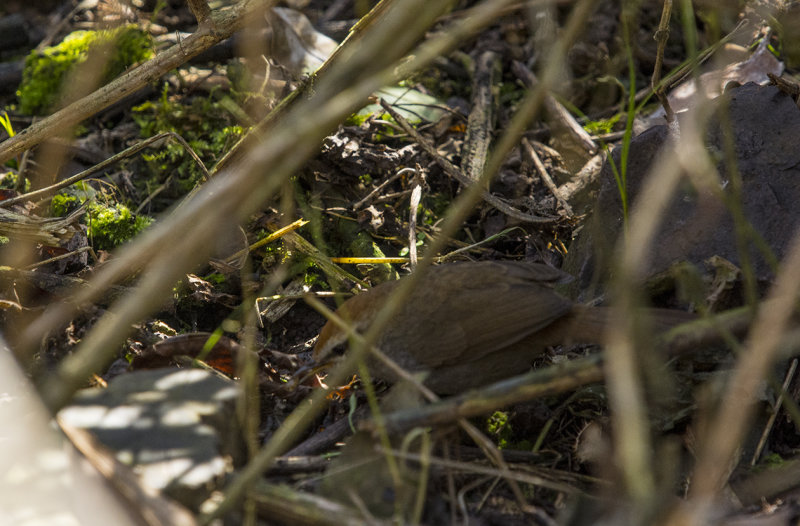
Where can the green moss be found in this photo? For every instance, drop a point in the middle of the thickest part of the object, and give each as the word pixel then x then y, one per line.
pixel 204 123
pixel 62 204
pixel 71 199
pixel 113 225
pixel 110 225
pixel 46 70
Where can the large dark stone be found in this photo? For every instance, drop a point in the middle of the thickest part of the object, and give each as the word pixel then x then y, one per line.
pixel 765 126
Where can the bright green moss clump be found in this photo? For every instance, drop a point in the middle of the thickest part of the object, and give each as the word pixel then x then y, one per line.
pixel 112 225
pixel 63 204
pixel 46 70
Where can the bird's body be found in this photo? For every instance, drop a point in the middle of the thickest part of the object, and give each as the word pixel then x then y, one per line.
pixel 469 324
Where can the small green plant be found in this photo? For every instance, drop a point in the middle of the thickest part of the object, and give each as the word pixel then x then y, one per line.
pixel 5 122
pixel 357 119
pixel 602 126
pixel 46 70
pixel 498 426
pixel 160 5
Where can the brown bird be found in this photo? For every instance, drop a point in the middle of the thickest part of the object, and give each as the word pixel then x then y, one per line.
pixel 469 324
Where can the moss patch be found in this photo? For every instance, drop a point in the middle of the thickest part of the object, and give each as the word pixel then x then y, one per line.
pixel 46 70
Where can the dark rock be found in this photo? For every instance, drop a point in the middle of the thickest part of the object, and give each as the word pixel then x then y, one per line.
pixel 765 124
